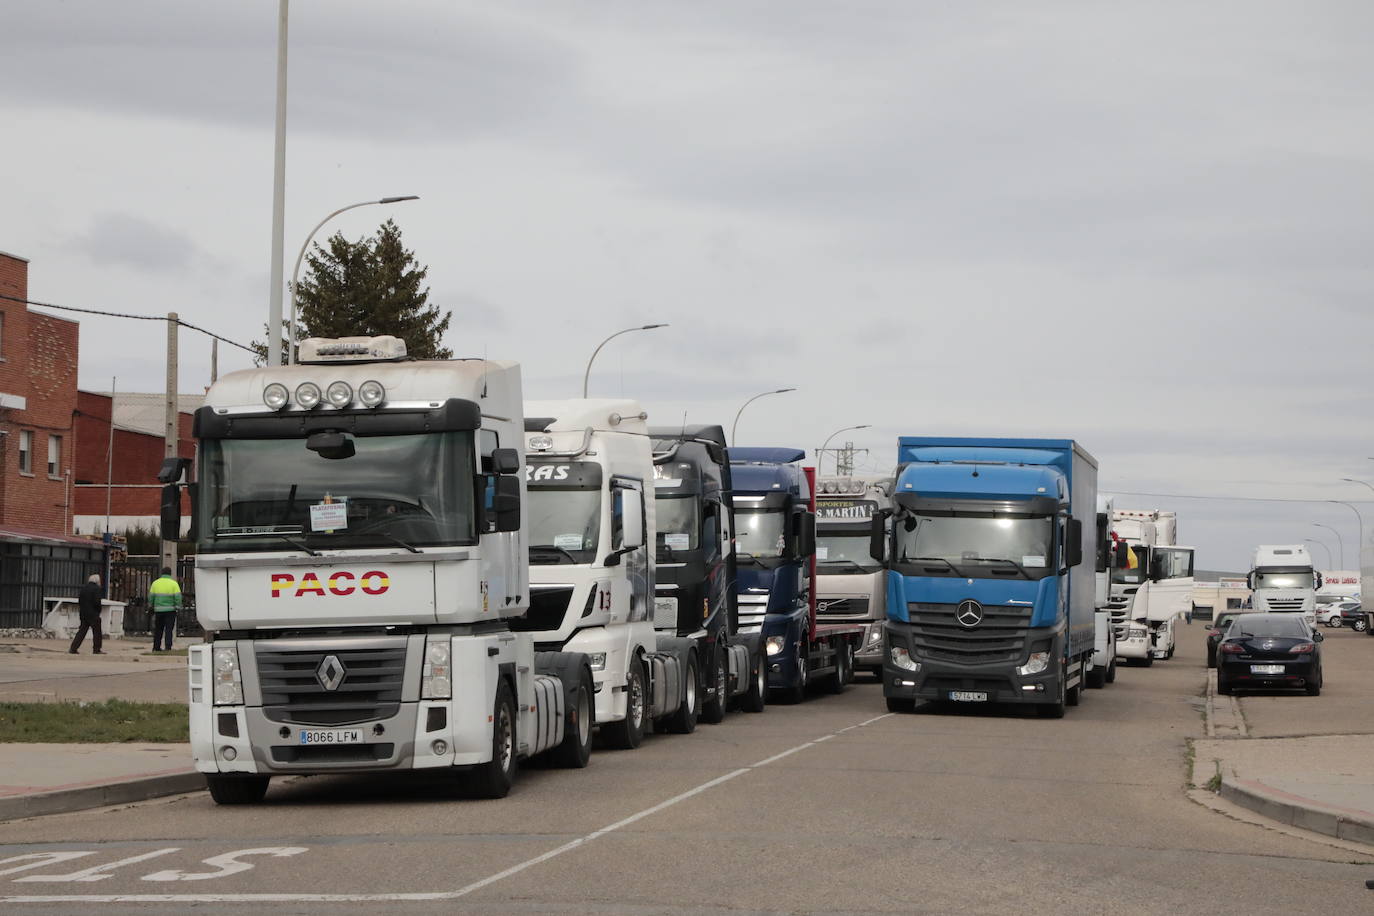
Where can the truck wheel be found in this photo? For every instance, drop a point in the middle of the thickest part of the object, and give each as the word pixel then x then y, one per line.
pixel 1148 660
pixel 1097 677
pixel 713 710
pixel 900 704
pixel 493 779
pixel 1111 671
pixel 629 731
pixel 575 750
pixel 1170 654
pixel 797 692
pixel 844 663
pixel 684 721
pixel 1074 695
pixel 756 697
pixel 236 790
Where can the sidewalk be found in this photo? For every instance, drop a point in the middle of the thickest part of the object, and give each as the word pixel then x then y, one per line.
pixel 38 779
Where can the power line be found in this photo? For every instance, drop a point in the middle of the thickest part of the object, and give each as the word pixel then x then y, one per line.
pixel 184 324
pixel 1253 499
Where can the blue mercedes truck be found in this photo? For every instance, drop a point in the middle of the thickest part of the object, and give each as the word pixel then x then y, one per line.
pixel 989 599
pixel 775 533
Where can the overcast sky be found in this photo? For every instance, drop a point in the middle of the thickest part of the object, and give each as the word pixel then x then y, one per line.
pixel 1144 226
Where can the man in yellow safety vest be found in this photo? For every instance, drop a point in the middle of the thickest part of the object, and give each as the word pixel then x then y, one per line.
pixel 164 600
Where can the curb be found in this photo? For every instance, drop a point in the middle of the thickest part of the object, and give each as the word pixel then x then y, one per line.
pixel 62 801
pixel 1297 811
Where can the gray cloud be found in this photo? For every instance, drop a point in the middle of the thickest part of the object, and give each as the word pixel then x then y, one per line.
pixel 129 240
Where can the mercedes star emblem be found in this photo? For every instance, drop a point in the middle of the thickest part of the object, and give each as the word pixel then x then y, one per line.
pixel 969 613
pixel 330 673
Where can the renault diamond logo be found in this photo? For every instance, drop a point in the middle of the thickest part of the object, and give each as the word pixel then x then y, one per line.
pixel 330 673
pixel 969 613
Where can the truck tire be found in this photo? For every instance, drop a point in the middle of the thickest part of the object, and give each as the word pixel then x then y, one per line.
pixel 844 667
pixel 629 731
pixel 684 721
pixel 1055 710
pixel 756 697
pixel 797 692
pixel 713 709
pixel 900 704
pixel 1148 660
pixel 1111 671
pixel 494 778
pixel 236 790
pixel 1097 677
pixel 575 750
pixel 1074 695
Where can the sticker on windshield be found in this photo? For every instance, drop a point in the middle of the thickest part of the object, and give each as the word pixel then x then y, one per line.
pixel 328 516
pixel 567 541
pixel 822 553
pixel 677 541
pixel 1032 561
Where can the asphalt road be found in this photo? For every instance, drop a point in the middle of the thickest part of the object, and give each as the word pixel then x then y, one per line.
pixel 830 806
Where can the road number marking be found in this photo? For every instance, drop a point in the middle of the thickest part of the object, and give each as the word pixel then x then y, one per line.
pixel 100 872
pixel 227 864
pixel 40 859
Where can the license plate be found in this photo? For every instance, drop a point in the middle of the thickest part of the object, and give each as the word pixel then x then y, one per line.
pixel 333 736
pixel 1266 669
pixel 968 696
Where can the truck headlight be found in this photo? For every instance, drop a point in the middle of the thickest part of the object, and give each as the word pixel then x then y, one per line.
pixel 597 660
pixel 902 659
pixel 435 683
pixel 227 678
pixel 775 644
pixel 875 636
pixel 1037 663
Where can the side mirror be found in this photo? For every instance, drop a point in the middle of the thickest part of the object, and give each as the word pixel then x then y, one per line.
pixel 631 509
pixel 1123 556
pixel 1250 580
pixel 1073 542
pixel 171 512
pixel 877 535
pixel 1320 579
pixel 807 536
pixel 505 503
pixel 505 461
pixel 1317 637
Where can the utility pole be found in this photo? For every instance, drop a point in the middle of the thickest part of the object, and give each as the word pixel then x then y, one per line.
pixel 214 360
pixel 844 459
pixel 170 430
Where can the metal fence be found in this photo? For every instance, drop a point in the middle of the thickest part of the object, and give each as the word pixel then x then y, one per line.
pixel 129 581
pixel 31 571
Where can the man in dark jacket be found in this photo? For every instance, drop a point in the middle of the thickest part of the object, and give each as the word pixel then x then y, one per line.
pixel 88 603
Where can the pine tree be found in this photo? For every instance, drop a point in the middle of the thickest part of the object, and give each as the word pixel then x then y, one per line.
pixel 368 288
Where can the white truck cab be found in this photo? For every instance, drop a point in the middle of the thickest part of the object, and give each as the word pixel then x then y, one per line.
pixel 360 523
pixel 1153 588
pixel 590 475
pixel 1284 581
pixel 851 586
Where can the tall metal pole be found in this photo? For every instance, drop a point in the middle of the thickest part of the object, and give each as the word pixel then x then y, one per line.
pixel 820 452
pixel 109 460
pixel 762 394
pixel 1340 542
pixel 586 376
pixel 214 360
pixel 170 432
pixel 278 197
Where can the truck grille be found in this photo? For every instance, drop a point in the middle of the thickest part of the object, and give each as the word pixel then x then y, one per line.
pixel 842 607
pixel 548 606
pixel 370 688
pixel 1284 604
pixel 1000 637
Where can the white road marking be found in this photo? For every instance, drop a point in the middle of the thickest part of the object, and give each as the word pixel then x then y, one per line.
pixel 420 896
pixel 39 860
pixel 226 864
pixel 99 872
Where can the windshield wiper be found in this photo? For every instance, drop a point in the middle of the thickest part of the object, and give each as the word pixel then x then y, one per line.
pixel 549 548
pixel 1019 568
pixel 400 543
pixel 906 559
pixel 299 545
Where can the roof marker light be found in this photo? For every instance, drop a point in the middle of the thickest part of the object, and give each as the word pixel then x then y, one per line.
pixel 371 393
pixel 308 395
pixel 339 393
pixel 275 396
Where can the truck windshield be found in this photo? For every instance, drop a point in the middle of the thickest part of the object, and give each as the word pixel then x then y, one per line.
pixel 1283 579
pixel 1136 574
pixel 268 494
pixel 760 532
pixel 676 519
pixel 976 546
pixel 565 524
pixel 843 551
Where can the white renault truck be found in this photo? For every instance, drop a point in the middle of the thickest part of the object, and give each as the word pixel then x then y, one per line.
pixel 851 586
pixel 1154 590
pixel 590 470
pixel 1284 580
pixel 361 556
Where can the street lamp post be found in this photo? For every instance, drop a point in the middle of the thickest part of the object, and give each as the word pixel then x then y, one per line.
pixel 1340 542
pixel 1322 545
pixel 761 394
pixel 820 452
pixel 295 273
pixel 586 376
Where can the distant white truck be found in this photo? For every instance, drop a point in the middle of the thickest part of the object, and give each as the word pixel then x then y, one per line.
pixel 1103 671
pixel 1284 581
pixel 1155 588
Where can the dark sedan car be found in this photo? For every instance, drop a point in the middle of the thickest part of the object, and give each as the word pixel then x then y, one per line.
pixel 1353 616
pixel 1215 632
pixel 1270 650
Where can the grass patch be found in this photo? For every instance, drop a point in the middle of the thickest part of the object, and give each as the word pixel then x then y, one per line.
pixel 1214 784
pixel 96 722
pixel 168 654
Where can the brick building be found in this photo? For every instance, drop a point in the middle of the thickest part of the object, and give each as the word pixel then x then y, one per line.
pixel 38 362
